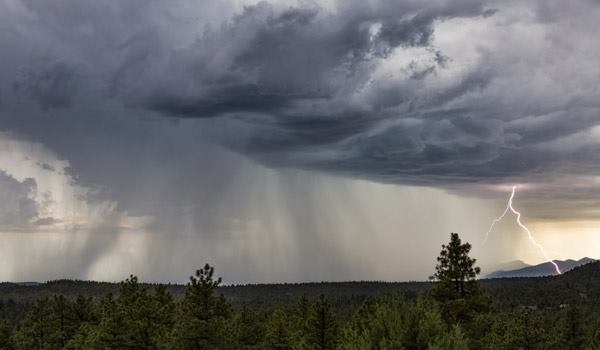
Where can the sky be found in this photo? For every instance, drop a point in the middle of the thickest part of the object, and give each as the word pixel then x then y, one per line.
pixel 290 141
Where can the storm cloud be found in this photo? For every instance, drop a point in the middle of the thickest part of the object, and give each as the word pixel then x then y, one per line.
pixel 166 117
pixel 402 92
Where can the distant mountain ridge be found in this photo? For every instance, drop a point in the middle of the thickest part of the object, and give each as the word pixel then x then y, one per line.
pixel 544 269
pixel 506 266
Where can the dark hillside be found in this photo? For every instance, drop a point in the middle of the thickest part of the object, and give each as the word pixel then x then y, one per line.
pixel 582 284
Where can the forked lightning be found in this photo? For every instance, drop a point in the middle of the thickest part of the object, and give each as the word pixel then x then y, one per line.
pixel 509 207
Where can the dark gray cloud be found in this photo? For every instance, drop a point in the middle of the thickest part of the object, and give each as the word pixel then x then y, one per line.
pixel 46 221
pixel 303 80
pixel 46 166
pixel 273 61
pixel 373 90
pixel 146 100
pixel 408 92
pixel 18 206
pixel 294 70
pixel 53 85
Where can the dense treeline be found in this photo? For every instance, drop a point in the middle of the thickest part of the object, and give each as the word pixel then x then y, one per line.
pixel 455 313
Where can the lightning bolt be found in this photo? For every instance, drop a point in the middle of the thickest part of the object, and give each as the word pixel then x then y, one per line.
pixel 509 207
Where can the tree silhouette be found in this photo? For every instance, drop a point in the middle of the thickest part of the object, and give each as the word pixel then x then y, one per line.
pixel 457 288
pixel 249 329
pixel 37 330
pixel 455 269
pixel 279 335
pixel 574 334
pixel 321 327
pixel 204 318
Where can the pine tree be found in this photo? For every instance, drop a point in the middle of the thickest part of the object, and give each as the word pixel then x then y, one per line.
pixel 136 319
pixel 6 333
pixel 455 271
pixel 457 288
pixel 321 328
pixel 83 310
pixel 36 331
pixel 204 318
pixel 524 330
pixel 111 331
pixel 50 324
pixel 249 329
pixel 428 323
pixel 528 330
pixel 360 332
pixel 278 334
pixel 164 307
pixel 303 309
pixel 385 327
pixel 453 340
pixel 66 325
pixel 574 332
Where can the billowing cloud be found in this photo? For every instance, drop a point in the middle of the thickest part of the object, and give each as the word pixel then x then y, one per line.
pixel 158 117
pixel 18 207
pixel 404 92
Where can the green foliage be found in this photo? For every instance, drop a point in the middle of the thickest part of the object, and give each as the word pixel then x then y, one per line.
pixel 280 333
pixel 249 329
pixel 304 309
pixel 49 325
pixel 525 314
pixel 574 329
pixel 321 329
pixel 379 326
pixel 453 340
pixel 135 319
pixel 455 270
pixel 204 318
pixel 525 331
pixel 6 334
pixel 396 324
pixel 457 289
pixel 594 341
pixel 111 332
pixel 425 325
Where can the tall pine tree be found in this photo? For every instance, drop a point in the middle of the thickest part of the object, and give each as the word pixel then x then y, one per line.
pixel 321 330
pixel 457 289
pixel 204 318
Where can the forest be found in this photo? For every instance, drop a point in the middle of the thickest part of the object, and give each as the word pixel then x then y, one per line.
pixel 454 310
